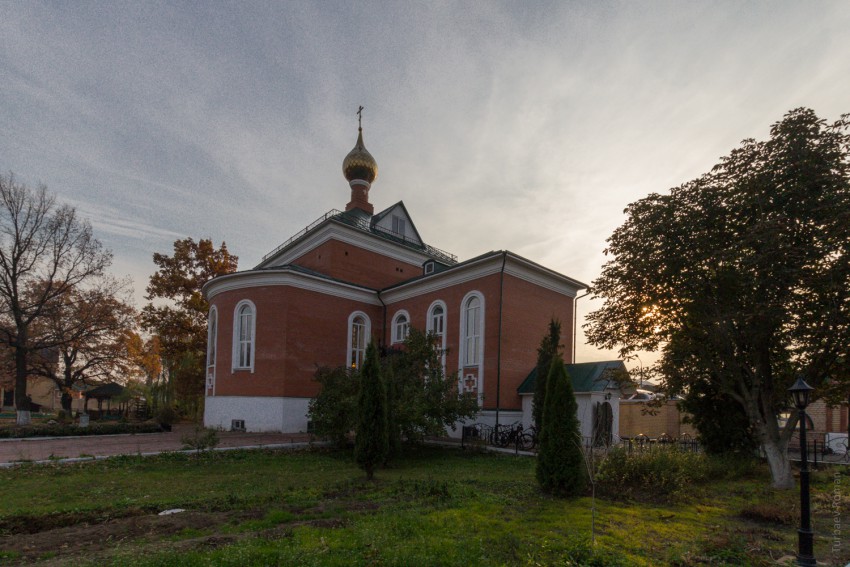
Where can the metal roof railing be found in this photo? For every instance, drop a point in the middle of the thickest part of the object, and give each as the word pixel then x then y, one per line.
pixel 365 225
pixel 302 232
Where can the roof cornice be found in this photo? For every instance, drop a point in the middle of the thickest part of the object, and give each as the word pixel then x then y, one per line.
pixel 288 278
pixel 332 229
pixel 483 266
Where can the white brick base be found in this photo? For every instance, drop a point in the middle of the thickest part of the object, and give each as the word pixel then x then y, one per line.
pixel 261 413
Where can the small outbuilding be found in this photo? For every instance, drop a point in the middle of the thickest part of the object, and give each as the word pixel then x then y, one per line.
pixel 597 388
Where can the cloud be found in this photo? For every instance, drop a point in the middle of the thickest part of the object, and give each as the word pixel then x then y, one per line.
pixel 528 127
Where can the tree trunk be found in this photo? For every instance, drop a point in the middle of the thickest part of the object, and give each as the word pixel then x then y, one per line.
pixel 66 401
pixel 779 463
pixel 67 383
pixel 22 403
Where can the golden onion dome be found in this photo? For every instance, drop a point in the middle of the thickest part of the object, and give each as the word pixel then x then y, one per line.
pixel 359 163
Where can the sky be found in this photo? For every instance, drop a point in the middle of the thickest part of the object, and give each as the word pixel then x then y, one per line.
pixel 521 126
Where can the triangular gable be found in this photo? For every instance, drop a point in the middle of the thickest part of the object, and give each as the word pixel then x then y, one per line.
pixel 396 220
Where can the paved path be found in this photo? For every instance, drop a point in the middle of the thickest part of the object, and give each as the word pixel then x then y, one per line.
pixel 35 449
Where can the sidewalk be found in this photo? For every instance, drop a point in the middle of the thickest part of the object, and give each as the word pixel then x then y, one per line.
pixel 55 448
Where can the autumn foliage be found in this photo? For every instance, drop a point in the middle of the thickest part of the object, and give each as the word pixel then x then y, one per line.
pixel 177 314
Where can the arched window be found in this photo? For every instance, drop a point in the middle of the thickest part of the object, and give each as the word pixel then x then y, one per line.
pixel 212 334
pixel 436 323
pixel 471 325
pixel 244 332
pixel 359 331
pixel 400 327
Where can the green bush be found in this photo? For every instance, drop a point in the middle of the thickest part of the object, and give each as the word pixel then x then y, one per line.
pixel 202 439
pixel 68 430
pixel 333 413
pixel 664 472
pixel 166 416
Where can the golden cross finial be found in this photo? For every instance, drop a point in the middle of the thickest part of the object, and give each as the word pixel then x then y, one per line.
pixel 360 118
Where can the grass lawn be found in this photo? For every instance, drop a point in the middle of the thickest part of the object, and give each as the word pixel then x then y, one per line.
pixel 431 507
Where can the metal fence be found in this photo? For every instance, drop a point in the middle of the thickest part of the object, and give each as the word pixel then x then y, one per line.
pixel 819 452
pixel 517 438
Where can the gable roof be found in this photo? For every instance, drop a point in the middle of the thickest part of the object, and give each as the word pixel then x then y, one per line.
pixel 361 223
pixel 585 376
pixel 105 391
pixel 378 217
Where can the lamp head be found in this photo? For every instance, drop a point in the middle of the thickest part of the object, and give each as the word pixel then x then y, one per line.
pixel 800 390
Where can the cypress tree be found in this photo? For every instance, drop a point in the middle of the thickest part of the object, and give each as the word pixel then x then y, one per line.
pixel 548 350
pixel 371 442
pixel 560 461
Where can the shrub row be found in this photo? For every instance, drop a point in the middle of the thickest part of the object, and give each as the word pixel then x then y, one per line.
pixel 67 430
pixel 663 473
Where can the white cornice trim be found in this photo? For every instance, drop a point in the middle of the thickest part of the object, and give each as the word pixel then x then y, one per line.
pixel 288 278
pixel 337 231
pixel 442 280
pixel 527 270
pixel 516 266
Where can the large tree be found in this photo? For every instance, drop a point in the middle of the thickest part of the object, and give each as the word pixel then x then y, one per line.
pixel 45 251
pixel 741 278
pixel 89 328
pixel 177 314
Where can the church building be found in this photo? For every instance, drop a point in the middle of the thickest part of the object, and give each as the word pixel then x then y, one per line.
pixel 355 275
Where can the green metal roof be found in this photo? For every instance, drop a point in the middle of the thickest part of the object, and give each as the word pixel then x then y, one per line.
pixel 586 376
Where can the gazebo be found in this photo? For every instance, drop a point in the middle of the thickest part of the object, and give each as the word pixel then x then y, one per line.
pixel 106 392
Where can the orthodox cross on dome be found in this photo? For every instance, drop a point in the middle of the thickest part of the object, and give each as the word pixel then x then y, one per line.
pixel 360 169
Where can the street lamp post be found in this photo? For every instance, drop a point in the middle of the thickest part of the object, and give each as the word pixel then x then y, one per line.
pixel 805 546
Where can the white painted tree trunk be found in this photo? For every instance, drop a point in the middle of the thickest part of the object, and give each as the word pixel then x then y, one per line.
pixel 779 463
pixel 23 417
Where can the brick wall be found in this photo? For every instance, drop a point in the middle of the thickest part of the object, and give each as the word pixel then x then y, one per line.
pixel 357 265
pixel 826 419
pixel 296 331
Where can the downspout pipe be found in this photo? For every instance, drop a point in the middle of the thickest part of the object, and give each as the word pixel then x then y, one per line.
pixel 499 342
pixel 575 323
pixel 384 327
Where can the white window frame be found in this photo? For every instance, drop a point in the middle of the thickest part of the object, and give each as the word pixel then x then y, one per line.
pixel 237 338
pixel 367 335
pixel 212 343
pixel 431 328
pixel 399 225
pixel 400 329
pixel 471 346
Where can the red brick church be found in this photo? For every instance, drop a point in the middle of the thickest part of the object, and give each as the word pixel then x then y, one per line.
pixel 353 276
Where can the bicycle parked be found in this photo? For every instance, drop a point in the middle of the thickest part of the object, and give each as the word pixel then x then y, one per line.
pixel 511 436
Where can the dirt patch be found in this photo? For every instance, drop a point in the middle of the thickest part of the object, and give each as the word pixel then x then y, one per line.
pixel 89 538
pixel 61 541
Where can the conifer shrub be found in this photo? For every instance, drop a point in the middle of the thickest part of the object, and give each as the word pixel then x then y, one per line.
pixel 560 462
pixel 548 350
pixel 371 440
